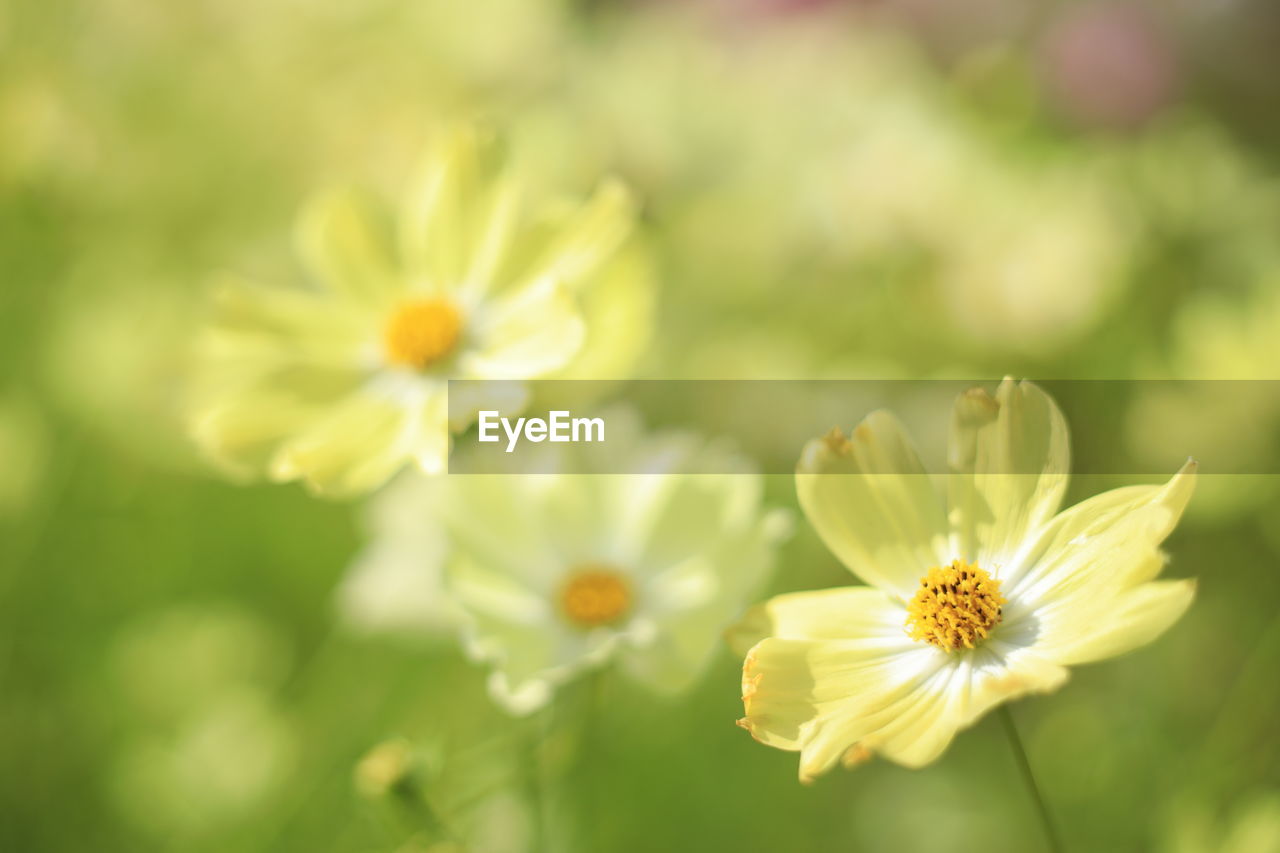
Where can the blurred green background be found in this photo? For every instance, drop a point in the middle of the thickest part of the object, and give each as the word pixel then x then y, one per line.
pixel 885 188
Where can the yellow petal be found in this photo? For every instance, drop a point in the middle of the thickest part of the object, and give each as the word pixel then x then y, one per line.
pixel 919 726
pixel 511 503
pixel 823 697
pixel 447 212
pixel 618 306
pixel 434 438
pixel 348 249
pixel 1000 672
pixel 692 600
pixel 354 448
pixel 1101 545
pixel 510 623
pixel 793 690
pixel 271 326
pixel 1009 458
pixel 253 391
pixel 525 334
pixel 853 698
pixel 913 725
pixel 589 238
pixel 241 431
pixel 498 217
pixel 872 503
pixel 843 613
pixel 1114 627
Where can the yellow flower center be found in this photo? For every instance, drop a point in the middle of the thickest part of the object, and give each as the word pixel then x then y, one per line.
pixel 955 607
pixel 595 595
pixel 422 332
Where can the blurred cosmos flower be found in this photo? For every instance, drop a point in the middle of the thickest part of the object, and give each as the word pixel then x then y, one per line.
pixel 343 385
pixel 976 598
pixel 396 584
pixel 642 569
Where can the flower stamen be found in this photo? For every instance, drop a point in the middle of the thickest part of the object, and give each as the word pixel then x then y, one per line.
pixel 955 607
pixel 595 595
pixel 422 332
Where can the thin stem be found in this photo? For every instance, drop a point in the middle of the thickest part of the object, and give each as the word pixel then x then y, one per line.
pixel 588 760
pixel 1051 836
pixel 537 783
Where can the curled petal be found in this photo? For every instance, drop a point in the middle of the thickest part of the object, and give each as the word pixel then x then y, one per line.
pixel 872 503
pixel 1009 458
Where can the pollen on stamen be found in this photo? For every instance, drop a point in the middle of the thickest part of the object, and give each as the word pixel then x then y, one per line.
pixel 422 332
pixel 956 606
pixel 594 595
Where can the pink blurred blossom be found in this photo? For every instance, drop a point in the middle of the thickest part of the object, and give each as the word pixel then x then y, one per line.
pixel 1110 64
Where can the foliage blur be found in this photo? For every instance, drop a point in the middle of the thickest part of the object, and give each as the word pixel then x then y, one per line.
pixel 881 188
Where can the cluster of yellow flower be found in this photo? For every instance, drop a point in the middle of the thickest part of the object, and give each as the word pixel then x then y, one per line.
pixel 979 592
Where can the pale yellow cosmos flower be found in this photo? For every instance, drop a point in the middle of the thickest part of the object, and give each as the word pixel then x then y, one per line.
pixel 343 384
pixel 979 593
pixel 559 574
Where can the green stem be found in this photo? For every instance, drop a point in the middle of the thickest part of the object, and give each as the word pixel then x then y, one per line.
pixel 588 760
pixel 537 784
pixel 1051 836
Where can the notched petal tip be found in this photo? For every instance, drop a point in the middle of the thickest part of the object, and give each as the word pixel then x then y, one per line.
pixel 856 755
pixel 977 405
pixel 750 727
pixel 974 408
pixel 835 441
pixel 979 396
pixel 817 454
pixel 875 429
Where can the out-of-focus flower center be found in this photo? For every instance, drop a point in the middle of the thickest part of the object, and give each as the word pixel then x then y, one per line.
pixel 422 332
pixel 955 607
pixel 595 595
